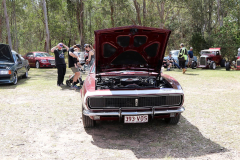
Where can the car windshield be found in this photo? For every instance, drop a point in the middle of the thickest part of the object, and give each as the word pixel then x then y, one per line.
pixel 174 53
pixel 208 52
pixel 42 55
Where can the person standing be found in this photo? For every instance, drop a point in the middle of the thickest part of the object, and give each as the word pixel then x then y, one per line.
pixel 190 57
pixel 72 63
pixel 91 55
pixel 60 61
pixel 182 57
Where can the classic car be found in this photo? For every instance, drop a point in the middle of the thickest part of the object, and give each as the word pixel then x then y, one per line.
pixel 210 58
pixel 40 59
pixel 12 65
pixel 175 56
pixel 235 65
pixel 126 83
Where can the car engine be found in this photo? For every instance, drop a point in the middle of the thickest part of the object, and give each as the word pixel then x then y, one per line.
pixel 131 83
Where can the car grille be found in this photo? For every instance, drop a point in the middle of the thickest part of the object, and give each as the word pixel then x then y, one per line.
pixel 238 63
pixel 202 61
pixel 52 62
pixel 116 102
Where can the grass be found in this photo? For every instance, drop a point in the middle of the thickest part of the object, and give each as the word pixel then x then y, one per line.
pixel 39 118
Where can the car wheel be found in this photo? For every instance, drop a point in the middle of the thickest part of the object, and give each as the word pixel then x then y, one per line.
pixel 194 65
pixel 87 121
pixel 227 66
pixel 173 120
pixel 68 83
pixel 223 63
pixel 26 74
pixel 37 64
pixel 15 78
pixel 213 65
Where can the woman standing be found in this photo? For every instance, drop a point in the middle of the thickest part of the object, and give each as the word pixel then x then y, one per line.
pixel 91 54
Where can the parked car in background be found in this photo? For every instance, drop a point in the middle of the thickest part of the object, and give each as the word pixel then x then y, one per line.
pixel 175 56
pixel 210 58
pixel 126 83
pixel 234 65
pixel 40 59
pixel 12 65
pixel 238 55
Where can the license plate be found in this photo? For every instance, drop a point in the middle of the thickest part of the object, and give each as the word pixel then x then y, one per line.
pixel 136 119
pixel 3 72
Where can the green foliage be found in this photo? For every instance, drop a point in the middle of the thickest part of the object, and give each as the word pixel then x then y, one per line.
pixel 199 23
pixel 227 37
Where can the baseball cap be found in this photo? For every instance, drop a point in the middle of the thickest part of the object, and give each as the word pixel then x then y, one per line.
pixel 78 45
pixel 191 48
pixel 181 44
pixel 60 44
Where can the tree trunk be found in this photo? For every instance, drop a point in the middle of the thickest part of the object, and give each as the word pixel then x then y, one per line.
pixel 80 17
pixel 161 14
pixel 137 7
pixel 7 24
pixel 144 13
pixel 112 11
pixel 1 23
pixel 46 26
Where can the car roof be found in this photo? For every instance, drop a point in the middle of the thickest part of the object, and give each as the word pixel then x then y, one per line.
pixel 211 50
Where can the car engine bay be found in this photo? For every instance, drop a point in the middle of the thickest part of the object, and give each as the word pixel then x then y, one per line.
pixel 131 82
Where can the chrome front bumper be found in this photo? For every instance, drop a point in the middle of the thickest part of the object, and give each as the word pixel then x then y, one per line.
pixel 121 113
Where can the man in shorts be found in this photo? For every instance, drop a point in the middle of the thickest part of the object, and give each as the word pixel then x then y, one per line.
pixel 72 63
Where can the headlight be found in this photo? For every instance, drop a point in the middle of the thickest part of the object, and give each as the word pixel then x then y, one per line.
pixel 6 72
pixel 44 60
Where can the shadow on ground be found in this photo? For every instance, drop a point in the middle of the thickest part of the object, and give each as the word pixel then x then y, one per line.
pixel 154 139
pixel 21 81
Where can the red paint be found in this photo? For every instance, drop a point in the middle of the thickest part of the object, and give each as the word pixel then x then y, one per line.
pixel 32 60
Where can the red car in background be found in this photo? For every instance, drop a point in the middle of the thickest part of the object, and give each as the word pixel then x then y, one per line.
pixel 40 59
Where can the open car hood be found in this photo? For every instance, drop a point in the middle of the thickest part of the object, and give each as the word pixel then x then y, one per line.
pixel 130 48
pixel 5 53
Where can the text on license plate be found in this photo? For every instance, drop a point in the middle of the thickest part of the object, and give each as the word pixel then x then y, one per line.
pixel 136 119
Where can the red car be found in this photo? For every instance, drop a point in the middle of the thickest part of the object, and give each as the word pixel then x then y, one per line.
pixel 40 59
pixel 210 58
pixel 126 83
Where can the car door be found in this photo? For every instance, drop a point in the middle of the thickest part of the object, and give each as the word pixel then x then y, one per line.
pixel 19 66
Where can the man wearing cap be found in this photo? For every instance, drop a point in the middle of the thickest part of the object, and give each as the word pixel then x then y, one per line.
pixel 72 63
pixel 60 61
pixel 190 57
pixel 182 57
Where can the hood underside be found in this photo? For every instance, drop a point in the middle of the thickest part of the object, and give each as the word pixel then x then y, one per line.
pixel 130 48
pixel 5 53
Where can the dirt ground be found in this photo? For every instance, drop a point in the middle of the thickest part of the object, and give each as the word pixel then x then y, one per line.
pixel 39 120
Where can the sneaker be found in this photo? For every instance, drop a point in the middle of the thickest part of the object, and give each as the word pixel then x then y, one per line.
pixel 75 87
pixel 62 84
pixel 58 85
pixel 168 69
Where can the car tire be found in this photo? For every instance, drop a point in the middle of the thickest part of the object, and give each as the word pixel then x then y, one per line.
pixel 68 83
pixel 173 120
pixel 15 80
pixel 228 66
pixel 26 74
pixel 37 65
pixel 87 121
pixel 223 63
pixel 213 65
pixel 194 65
